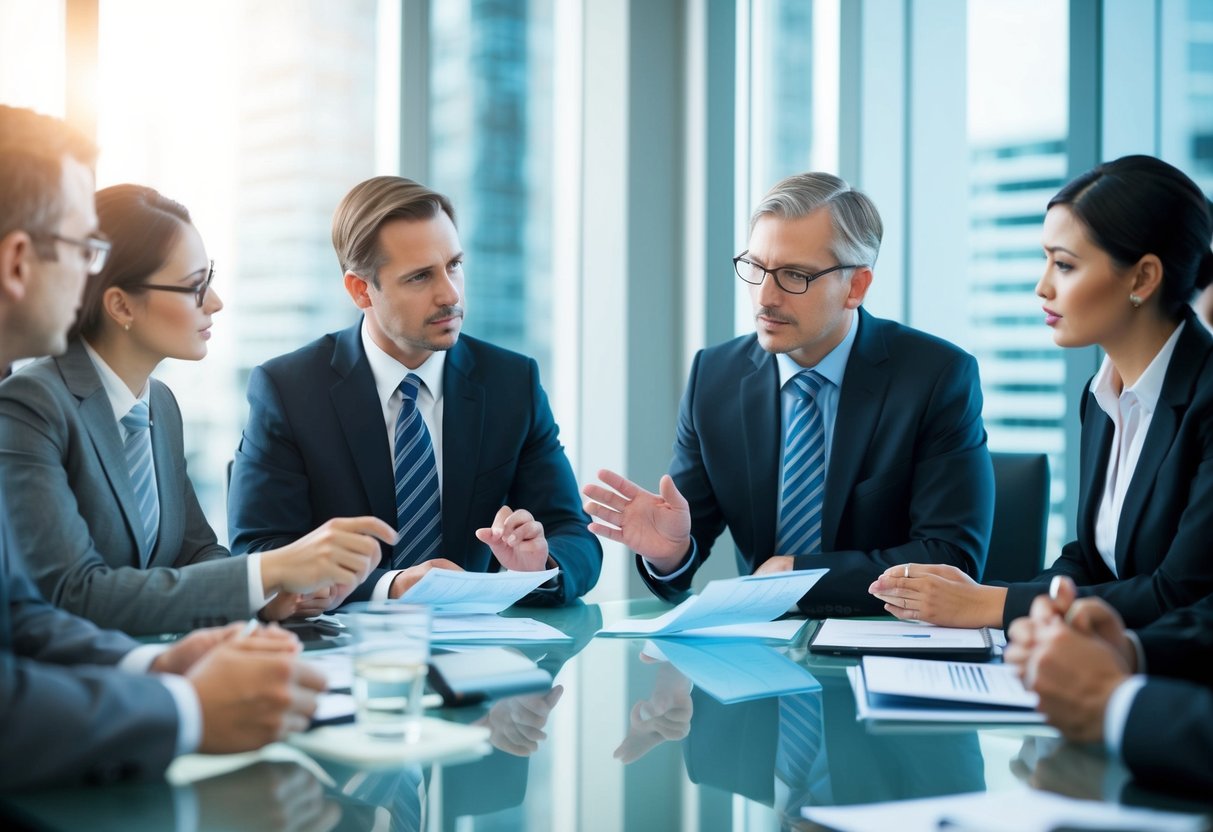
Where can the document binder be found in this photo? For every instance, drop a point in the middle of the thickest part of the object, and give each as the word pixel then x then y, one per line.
pixel 847 637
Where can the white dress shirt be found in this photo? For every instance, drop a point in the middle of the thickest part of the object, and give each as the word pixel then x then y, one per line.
pixel 388 373
pixel 122 400
pixel 1131 411
pixel 832 368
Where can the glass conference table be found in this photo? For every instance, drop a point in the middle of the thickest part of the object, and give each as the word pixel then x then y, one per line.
pixel 627 743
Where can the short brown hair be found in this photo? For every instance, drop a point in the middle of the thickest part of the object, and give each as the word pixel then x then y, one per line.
pixel 142 225
pixel 371 204
pixel 32 149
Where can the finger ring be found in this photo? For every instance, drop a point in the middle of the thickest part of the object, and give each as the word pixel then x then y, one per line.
pixel 907 571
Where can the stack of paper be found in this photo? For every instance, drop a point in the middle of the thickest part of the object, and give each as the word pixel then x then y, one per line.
pixel 921 690
pixel 725 606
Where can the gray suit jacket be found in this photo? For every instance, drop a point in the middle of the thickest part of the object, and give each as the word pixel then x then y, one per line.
pixel 66 714
pixel 74 517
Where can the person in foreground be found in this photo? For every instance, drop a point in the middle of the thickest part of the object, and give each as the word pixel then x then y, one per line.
pixel 1126 245
pixel 830 438
pixel 93 464
pixel 1089 672
pixel 78 703
pixel 448 439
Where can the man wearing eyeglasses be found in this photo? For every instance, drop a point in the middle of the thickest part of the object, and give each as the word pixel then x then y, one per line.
pixel 829 438
pixel 78 703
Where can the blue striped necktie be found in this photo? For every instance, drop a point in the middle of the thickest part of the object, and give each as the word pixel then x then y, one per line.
pixel 418 504
pixel 804 471
pixel 138 448
pixel 800 757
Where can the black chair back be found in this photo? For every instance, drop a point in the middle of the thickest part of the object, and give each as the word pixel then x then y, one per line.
pixel 1021 517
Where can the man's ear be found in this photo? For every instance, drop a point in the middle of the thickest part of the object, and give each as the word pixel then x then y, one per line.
pixel 357 288
pixel 861 280
pixel 16 270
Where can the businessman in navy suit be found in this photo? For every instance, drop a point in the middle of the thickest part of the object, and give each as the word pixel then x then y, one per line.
pixel 447 438
pixel 829 438
pixel 1146 695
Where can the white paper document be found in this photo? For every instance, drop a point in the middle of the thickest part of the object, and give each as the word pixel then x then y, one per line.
pixel 1015 810
pixel 746 600
pixel 918 709
pixel 451 592
pixel 981 684
pixel 449 629
pixel 859 634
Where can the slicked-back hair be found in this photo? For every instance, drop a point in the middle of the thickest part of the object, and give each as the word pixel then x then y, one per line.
pixel 1139 205
pixel 365 210
pixel 32 149
pixel 856 222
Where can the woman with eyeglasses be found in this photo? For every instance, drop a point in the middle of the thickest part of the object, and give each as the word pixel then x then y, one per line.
pixel 1126 247
pixel 92 465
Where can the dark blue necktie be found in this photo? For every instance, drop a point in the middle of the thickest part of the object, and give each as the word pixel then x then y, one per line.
pixel 800 757
pixel 804 471
pixel 138 448
pixel 418 504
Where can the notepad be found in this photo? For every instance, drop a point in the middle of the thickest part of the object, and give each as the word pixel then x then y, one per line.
pixel 847 637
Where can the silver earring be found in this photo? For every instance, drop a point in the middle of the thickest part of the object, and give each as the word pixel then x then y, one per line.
pixel 1135 300
pixel 126 327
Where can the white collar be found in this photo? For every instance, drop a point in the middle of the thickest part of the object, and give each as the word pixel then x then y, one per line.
pixel 388 372
pixel 120 396
pixel 832 367
pixel 1147 389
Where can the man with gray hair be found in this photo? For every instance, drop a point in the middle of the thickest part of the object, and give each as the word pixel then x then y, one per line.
pixel 829 438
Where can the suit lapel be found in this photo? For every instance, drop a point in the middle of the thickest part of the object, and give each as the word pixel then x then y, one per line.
pixel 356 403
pixel 859 406
pixel 763 445
pixel 1191 352
pixel 97 414
pixel 462 432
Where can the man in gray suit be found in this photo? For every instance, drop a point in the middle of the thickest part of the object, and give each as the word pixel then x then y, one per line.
pixel 78 703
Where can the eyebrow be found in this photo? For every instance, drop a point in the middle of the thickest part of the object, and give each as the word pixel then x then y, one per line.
pixel 1055 249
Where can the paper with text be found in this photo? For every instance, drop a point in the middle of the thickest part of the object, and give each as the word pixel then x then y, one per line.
pixel 451 592
pixel 983 684
pixel 744 600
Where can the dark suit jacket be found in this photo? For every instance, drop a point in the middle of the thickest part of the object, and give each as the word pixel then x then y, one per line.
pixel 75 518
pixel 1163 553
pixel 67 715
pixel 909 478
pixel 1168 739
pixel 315 447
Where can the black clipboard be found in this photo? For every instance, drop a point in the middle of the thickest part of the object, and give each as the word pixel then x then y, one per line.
pixel 978 653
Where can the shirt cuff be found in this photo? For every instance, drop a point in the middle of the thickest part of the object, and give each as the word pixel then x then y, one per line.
pixel 648 567
pixel 1141 651
pixel 140 659
pixel 384 585
pixel 189 712
pixel 1117 712
pixel 256 585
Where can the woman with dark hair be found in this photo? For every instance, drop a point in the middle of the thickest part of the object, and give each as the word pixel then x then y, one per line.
pixel 1126 247
pixel 92 465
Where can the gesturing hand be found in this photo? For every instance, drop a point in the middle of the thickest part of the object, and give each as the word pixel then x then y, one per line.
pixel 516 540
pixel 655 526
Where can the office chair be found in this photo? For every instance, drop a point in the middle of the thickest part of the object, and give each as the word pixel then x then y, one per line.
pixel 1021 517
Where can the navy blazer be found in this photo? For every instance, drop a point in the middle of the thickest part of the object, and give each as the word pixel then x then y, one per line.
pixel 1168 739
pixel 909 477
pixel 1163 554
pixel 315 447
